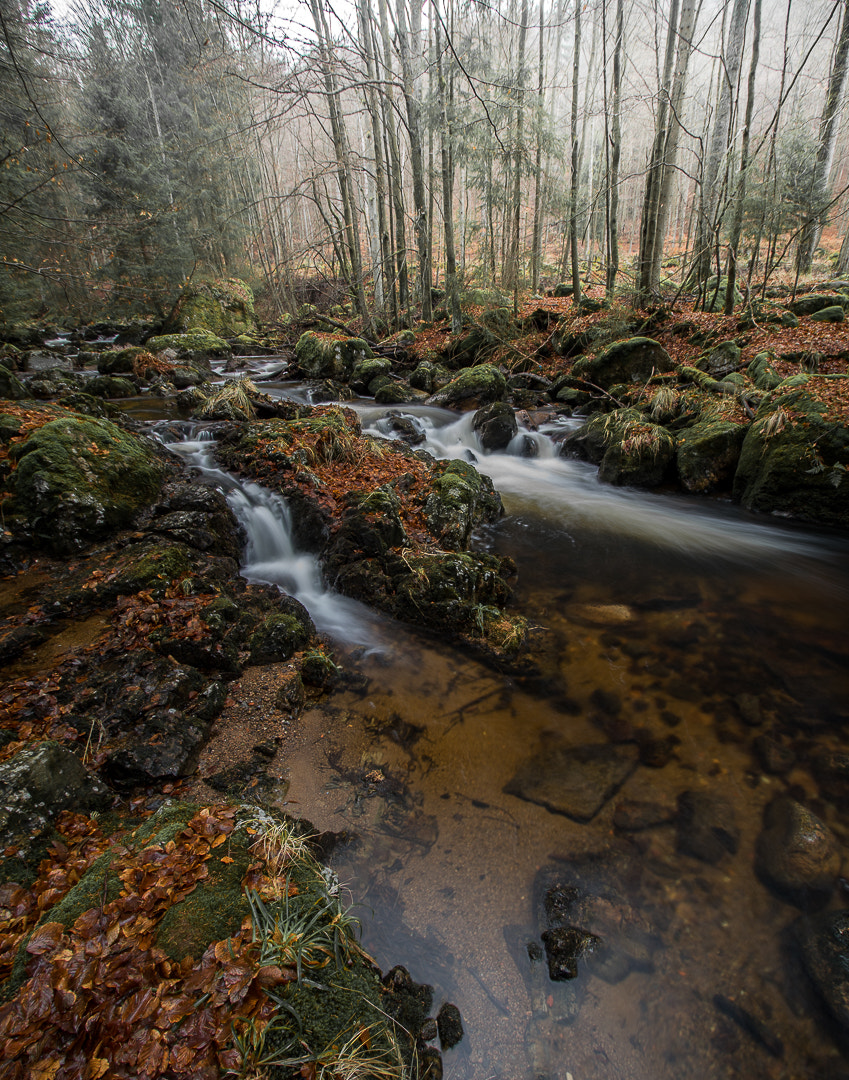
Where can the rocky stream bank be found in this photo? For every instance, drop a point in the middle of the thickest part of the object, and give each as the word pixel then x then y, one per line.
pixel 126 624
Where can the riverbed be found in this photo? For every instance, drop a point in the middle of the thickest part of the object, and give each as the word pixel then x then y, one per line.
pixel 687 627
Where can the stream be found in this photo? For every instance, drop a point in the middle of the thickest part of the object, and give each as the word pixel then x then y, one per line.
pixel 687 625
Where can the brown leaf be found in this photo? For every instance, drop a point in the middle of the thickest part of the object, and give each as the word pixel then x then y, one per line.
pixel 46 939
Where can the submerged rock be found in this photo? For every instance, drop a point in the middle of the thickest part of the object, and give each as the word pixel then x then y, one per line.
pixel 796 854
pixel 706 826
pixel 823 942
pixel 576 781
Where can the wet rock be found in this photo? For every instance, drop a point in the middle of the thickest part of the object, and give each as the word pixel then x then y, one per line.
pixel 165 755
pixel 407 429
pixel 366 371
pixel 831 772
pixel 472 388
pixel 823 942
pixel 796 854
pixel 79 479
pixel 324 356
pixel 290 696
pixel 707 454
pixel 399 393
pixel 575 781
pixel 36 784
pixel 110 386
pixel 282 634
pixel 775 759
pixel 495 425
pixel 750 1024
pixel 706 826
pixel 564 947
pixel 461 499
pixel 120 361
pixel 18 640
pixel 634 815
pixel 194 345
pixel 633 360
pixel 11 387
pixel 371 526
pixel 449 1025
pixel 749 706
pixel 656 751
pixel 795 455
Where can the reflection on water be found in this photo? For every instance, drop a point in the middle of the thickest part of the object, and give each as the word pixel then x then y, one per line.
pixel 689 630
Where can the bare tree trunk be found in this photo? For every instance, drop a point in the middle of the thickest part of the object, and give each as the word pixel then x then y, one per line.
pixel 416 161
pixel 720 139
pixel 614 146
pixel 829 124
pixel 453 292
pixel 389 125
pixel 740 196
pixel 573 198
pixel 340 145
pixel 510 279
pixel 536 248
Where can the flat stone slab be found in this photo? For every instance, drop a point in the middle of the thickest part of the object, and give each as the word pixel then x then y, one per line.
pixel 576 781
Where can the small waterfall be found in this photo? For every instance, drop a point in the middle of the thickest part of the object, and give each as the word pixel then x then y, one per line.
pixel 271 557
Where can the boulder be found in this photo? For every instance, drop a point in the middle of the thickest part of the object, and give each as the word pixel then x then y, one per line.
pixel 762 373
pixel 366 371
pixel 495 425
pixel 832 314
pixel 461 498
pixel 640 457
pixel 721 359
pixel 327 356
pixel 79 479
pixel 11 387
pixel 814 302
pixel 823 942
pixel 715 291
pixel 110 386
pixel 470 348
pixel 472 388
pixel 795 455
pixel 193 345
pixel 119 361
pixel 224 307
pixel 576 781
pixel 706 826
pixel 398 393
pixel 282 634
pixel 707 454
pixel 796 854
pixel 632 360
pixel 36 784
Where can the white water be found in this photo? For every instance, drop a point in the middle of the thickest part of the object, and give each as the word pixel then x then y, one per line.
pixel 567 493
pixel 270 556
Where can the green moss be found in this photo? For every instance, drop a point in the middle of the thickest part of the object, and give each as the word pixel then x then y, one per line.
pixel 194 342
pixel 224 307
pixel 79 479
pixel 154 569
pixel 325 356
pixel 279 637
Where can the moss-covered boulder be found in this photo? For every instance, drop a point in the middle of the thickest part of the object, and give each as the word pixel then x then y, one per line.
pixel 194 345
pixel 472 388
pixel 224 307
pixel 429 377
pixel 470 348
pixel 282 633
pixel 330 356
pixel 368 370
pixel 80 479
pixel 814 302
pixel 632 360
pixel 398 393
pixel 461 499
pixel 722 359
pixel 484 298
pixel 707 454
pixel 495 425
pixel 11 387
pixel 795 457
pixel 53 382
pixel 640 457
pixel 715 294
pixel 762 373
pixel 592 440
pixel 110 386
pixel 832 314
pixel 119 361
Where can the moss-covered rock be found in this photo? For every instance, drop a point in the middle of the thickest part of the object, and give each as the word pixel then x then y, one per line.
pixel 795 457
pixel 110 386
pixel 429 377
pixel 398 393
pixel 707 454
pixel 192 345
pixel 366 371
pixel 722 359
pixel 282 634
pixel 640 457
pixel 224 307
pixel 832 314
pixel 79 479
pixel 52 383
pixel 461 499
pixel 762 373
pixel 119 361
pixel 472 388
pixel 495 425
pixel 329 356
pixel 470 348
pixel 632 360
pixel 11 386
pixel 814 302
pixel 715 294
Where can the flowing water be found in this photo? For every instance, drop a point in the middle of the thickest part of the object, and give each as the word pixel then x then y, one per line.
pixel 686 625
